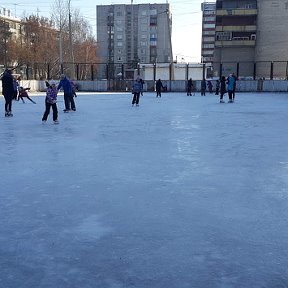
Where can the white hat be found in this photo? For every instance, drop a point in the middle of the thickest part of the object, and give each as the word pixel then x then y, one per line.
pixel 52 82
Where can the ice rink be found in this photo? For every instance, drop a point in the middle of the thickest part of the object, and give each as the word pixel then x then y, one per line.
pixel 180 192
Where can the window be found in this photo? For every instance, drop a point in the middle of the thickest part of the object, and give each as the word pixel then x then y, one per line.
pixel 119 44
pixel 153 20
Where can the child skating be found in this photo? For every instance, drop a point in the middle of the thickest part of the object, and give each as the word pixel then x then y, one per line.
pixel 51 101
pixel 23 94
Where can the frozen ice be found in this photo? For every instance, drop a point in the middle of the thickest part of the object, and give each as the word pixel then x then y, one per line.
pixel 180 192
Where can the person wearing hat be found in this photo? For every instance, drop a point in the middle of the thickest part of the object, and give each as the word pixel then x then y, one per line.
pixel 51 101
pixel 8 91
pixel 68 93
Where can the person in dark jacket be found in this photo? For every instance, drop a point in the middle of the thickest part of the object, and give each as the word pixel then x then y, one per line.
pixel 8 91
pixel 159 87
pixel 222 88
pixel 189 87
pixel 203 87
pixel 68 93
pixel 136 91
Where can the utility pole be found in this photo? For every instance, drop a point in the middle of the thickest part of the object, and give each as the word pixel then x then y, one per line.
pixel 71 42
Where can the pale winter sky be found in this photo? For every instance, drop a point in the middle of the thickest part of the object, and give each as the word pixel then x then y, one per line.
pixel 186 19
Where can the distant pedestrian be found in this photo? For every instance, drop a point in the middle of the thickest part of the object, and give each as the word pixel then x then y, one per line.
pixel 230 87
pixel 159 87
pixel 136 91
pixel 51 101
pixel 189 87
pixel 203 87
pixel 234 87
pixel 8 91
pixel 142 84
pixel 68 93
pixel 15 86
pixel 222 88
pixel 217 87
pixel 210 86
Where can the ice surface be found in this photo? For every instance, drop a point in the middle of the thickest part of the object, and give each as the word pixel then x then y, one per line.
pixel 180 192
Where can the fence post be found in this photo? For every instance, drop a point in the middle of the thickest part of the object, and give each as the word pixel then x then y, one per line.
pixel 272 71
pixel 61 68
pixel 122 71
pixel 238 69
pixel 187 71
pixel 221 68
pixel 92 72
pixel 154 72
pixel 107 71
pixel 77 71
pixel 287 70
pixel 254 71
pixel 27 72
pixel 170 71
pixel 48 71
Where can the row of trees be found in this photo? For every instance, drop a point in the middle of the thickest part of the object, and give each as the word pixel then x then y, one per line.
pixel 64 38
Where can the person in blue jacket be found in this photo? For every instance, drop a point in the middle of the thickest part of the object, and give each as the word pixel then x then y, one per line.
pixel 230 87
pixel 65 84
pixel 8 91
pixel 136 91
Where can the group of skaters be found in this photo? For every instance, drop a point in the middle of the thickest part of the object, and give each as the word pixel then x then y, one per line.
pixel 223 86
pixel 12 90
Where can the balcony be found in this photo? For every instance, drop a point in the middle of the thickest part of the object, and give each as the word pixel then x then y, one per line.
pixel 236 12
pixel 235 43
pixel 242 28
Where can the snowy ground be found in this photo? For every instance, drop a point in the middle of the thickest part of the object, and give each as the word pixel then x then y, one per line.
pixel 181 192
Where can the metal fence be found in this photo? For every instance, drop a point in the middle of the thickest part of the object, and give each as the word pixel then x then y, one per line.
pixel 274 70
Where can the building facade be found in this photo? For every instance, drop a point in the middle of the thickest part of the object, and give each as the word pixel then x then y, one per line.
pixel 208 31
pixel 132 34
pixel 252 35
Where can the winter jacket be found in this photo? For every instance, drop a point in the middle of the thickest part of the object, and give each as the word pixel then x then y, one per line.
pixel 137 87
pixel 51 95
pixel 7 84
pixel 230 83
pixel 66 85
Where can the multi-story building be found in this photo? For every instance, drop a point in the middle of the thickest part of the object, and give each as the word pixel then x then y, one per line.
pixel 132 34
pixel 236 30
pixel 208 31
pixel 251 34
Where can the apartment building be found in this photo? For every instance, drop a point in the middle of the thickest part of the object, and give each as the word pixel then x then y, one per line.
pixel 208 31
pixel 253 34
pixel 132 34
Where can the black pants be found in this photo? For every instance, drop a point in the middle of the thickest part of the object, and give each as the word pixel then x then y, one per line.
pixel 47 111
pixel 69 101
pixel 158 93
pixel 230 94
pixel 135 99
pixel 8 103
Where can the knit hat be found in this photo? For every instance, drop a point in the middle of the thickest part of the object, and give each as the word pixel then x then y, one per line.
pixel 52 82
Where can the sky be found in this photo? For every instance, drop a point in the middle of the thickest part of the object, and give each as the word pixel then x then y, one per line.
pixel 186 20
